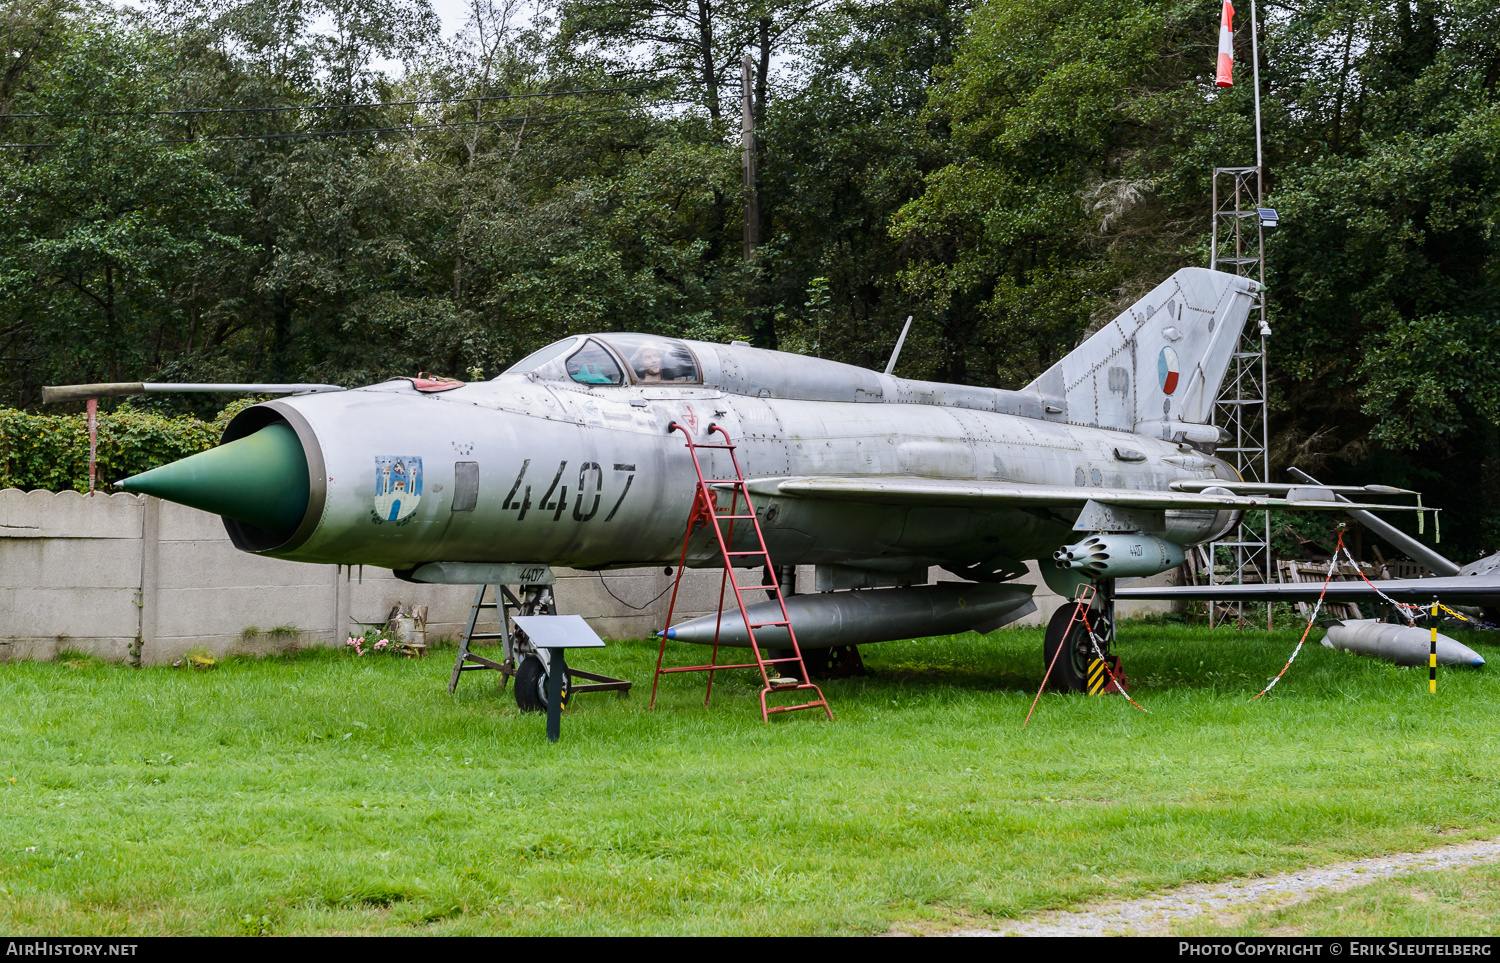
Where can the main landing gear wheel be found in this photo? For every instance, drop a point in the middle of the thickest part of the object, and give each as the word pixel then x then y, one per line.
pixel 836 662
pixel 531 685
pixel 1071 672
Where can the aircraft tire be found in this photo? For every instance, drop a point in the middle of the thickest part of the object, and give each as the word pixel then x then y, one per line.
pixel 838 662
pixel 531 685
pixel 1070 674
pixel 818 661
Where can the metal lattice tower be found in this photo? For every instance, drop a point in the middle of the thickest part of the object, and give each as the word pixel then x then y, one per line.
pixel 1240 409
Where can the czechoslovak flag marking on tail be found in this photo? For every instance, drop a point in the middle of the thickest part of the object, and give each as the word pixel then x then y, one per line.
pixel 1167 369
pixel 1226 47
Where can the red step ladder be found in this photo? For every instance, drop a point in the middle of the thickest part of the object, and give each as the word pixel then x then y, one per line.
pixel 706 512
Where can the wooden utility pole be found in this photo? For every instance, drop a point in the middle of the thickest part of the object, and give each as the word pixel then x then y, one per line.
pixel 747 128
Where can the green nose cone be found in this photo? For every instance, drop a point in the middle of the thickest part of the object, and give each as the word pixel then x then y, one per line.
pixel 260 479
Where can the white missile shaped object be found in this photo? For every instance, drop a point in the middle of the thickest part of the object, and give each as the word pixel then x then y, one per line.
pixel 1401 644
pixel 1119 556
pixel 872 615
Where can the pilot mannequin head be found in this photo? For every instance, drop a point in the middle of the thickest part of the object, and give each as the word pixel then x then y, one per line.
pixel 647 362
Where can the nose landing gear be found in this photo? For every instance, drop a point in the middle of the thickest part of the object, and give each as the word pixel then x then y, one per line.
pixel 531 685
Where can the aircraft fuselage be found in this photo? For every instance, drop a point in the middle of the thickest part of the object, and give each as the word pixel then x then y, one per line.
pixel 528 470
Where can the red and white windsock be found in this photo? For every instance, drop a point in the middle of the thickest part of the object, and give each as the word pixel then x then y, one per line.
pixel 1226 46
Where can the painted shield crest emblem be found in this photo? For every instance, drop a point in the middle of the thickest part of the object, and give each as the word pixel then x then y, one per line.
pixel 398 486
pixel 1166 369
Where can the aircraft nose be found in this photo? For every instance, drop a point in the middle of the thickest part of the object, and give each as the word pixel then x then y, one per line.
pixel 260 479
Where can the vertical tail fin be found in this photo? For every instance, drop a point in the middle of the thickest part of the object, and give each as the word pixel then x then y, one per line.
pixel 1156 369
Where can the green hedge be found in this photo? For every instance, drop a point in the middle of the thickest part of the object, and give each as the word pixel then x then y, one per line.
pixel 51 452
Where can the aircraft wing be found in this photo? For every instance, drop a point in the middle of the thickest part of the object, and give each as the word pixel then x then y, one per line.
pixel 1464 589
pixel 1285 490
pixel 911 490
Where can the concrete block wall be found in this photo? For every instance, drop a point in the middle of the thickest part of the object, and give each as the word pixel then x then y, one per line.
pixel 132 578
pixel 70 567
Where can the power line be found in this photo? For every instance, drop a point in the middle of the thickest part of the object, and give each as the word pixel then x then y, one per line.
pixel 392 103
pixel 409 128
pixel 408 103
pixel 496 121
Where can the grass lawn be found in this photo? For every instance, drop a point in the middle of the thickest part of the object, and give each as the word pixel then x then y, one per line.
pixel 324 793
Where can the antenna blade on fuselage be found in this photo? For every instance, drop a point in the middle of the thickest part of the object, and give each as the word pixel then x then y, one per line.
pixel 891 364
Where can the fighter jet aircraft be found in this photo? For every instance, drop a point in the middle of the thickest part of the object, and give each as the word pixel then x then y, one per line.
pixel 570 458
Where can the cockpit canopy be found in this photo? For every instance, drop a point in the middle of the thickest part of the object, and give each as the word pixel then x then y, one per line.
pixel 611 359
pixel 617 358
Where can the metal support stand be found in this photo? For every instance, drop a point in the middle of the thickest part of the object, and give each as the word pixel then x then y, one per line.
pixel 468 661
pixel 514 645
pixel 557 671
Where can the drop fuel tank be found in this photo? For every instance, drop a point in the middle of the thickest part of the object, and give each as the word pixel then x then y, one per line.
pixel 1401 644
pixel 872 615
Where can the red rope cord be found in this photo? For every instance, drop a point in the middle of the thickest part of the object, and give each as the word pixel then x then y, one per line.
pixel 1333 564
pixel 1107 668
pixel 1080 603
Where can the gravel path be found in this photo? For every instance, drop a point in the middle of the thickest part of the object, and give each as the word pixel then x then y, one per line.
pixel 1155 915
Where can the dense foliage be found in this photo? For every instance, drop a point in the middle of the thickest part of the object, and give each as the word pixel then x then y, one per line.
pixel 1009 172
pixel 52 451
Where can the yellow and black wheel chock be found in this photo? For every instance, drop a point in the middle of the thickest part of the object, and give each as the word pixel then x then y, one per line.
pixel 1106 676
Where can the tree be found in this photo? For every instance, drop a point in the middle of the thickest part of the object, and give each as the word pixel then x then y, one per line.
pixel 695 43
pixel 1084 136
pixel 1076 126
pixel 845 148
pixel 107 225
